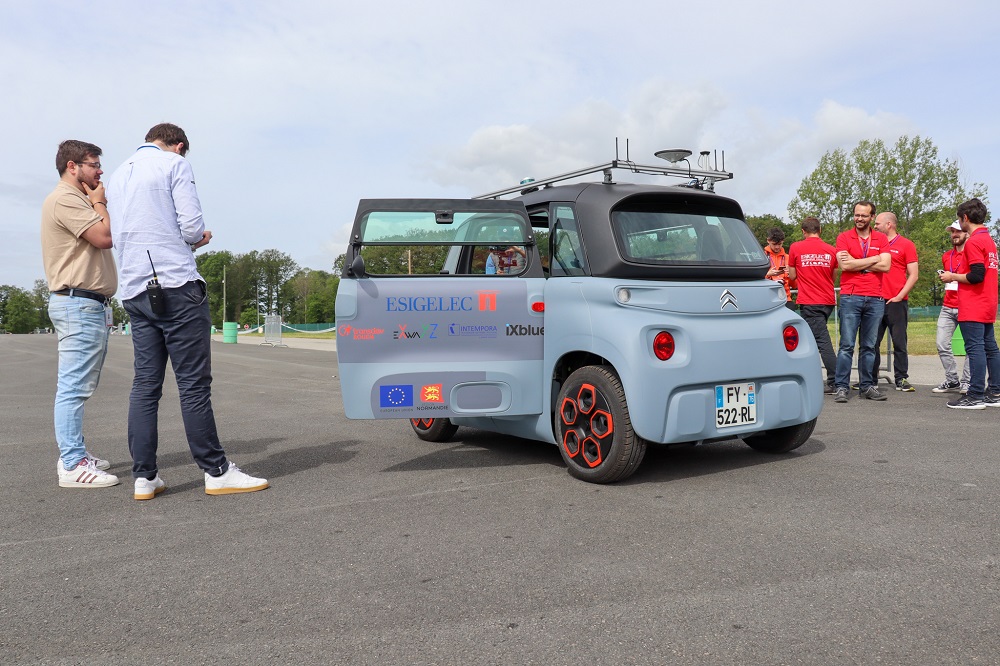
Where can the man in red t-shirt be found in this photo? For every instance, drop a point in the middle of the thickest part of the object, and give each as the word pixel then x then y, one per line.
pixel 954 261
pixel 896 287
pixel 863 256
pixel 812 264
pixel 977 308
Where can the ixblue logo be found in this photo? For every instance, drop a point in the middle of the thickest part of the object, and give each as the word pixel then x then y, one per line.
pixel 522 329
pixel 395 395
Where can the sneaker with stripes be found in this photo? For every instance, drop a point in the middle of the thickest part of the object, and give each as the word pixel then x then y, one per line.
pixel 99 463
pixel 85 475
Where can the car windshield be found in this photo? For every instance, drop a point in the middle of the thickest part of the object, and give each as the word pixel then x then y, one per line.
pixel 684 238
pixel 443 228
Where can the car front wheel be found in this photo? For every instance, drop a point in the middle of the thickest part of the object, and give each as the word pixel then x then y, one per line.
pixel 593 427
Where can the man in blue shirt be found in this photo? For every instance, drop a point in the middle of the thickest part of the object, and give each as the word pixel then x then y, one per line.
pixel 156 226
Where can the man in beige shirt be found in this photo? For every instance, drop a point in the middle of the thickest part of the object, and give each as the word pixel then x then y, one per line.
pixel 80 269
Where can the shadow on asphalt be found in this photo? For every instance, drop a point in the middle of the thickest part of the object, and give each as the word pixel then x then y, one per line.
pixel 669 463
pixel 276 465
pixel 479 448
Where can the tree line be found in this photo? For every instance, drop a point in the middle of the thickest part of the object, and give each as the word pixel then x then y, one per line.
pixel 256 284
pixel 908 178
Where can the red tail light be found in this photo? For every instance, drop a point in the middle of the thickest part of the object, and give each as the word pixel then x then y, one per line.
pixel 791 337
pixel 663 345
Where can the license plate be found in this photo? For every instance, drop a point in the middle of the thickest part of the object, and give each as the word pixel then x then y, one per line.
pixel 735 404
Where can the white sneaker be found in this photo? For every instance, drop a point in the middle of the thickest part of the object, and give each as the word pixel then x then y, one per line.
pixel 233 481
pixel 99 463
pixel 85 475
pixel 146 489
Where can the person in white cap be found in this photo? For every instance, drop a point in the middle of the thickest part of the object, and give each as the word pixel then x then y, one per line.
pixel 953 261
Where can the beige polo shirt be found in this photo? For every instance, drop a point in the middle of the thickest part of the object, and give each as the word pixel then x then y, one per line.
pixel 70 261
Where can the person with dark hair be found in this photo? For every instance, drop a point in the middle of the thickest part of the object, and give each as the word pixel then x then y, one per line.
pixel 82 278
pixel 812 264
pixel 977 308
pixel 778 270
pixel 863 256
pixel 953 260
pixel 896 287
pixel 157 225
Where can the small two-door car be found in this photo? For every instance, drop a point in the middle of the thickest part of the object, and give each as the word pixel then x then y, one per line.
pixel 601 317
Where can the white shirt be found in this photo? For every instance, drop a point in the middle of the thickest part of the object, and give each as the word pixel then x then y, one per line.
pixel 153 205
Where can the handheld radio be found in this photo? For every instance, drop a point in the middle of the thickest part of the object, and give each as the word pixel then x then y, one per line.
pixel 154 291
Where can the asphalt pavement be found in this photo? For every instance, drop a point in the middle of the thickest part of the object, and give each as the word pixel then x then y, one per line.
pixel 875 542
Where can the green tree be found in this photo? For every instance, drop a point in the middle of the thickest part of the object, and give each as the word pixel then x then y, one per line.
pixel 40 301
pixel 213 266
pixel 309 297
pixel 18 312
pixel 272 270
pixel 761 224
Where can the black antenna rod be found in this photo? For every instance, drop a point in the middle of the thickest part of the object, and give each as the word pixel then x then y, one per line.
pixel 151 264
pixel 616 149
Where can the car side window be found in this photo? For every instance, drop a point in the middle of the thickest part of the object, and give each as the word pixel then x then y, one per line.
pixel 567 253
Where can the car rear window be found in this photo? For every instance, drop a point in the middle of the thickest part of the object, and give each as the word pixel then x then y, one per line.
pixel 663 237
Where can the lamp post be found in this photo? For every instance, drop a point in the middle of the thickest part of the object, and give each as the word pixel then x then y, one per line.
pixel 223 295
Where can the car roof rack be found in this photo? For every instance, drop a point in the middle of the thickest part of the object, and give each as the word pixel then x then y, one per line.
pixel 700 178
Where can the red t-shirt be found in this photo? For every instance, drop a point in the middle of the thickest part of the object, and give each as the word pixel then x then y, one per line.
pixel 903 252
pixel 814 262
pixel 978 302
pixel 853 283
pixel 953 261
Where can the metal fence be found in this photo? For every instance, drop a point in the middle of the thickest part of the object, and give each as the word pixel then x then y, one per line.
pixel 272 331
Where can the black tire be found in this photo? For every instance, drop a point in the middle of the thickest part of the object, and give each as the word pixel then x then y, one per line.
pixel 781 440
pixel 593 428
pixel 433 430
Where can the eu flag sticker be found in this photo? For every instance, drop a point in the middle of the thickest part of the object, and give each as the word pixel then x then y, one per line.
pixel 398 395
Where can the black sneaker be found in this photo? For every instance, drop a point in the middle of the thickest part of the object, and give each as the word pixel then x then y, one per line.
pixel 829 389
pixel 872 393
pixel 855 386
pixel 946 387
pixel 992 400
pixel 841 395
pixel 903 385
pixel 967 402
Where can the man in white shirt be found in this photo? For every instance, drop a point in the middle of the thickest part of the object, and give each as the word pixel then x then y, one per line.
pixel 156 225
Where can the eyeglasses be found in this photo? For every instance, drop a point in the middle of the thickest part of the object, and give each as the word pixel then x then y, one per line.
pixel 96 165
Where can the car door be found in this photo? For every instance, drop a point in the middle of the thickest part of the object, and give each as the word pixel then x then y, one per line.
pixel 423 331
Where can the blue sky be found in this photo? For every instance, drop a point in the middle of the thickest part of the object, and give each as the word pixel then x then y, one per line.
pixel 295 110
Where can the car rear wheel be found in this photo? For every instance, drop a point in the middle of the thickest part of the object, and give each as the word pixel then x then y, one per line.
pixel 433 430
pixel 593 428
pixel 781 440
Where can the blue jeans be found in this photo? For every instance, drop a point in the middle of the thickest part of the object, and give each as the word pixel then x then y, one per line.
pixel 858 315
pixel 83 344
pixel 182 334
pixel 983 356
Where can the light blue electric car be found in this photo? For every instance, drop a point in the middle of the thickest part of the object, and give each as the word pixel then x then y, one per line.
pixel 601 317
